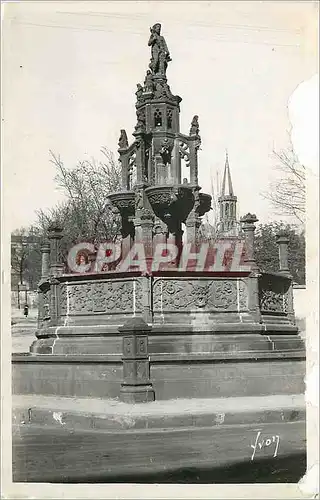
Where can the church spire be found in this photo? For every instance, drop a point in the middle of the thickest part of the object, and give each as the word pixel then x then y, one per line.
pixel 227 204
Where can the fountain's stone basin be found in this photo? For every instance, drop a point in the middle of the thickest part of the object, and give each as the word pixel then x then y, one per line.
pixel 188 306
pixel 208 338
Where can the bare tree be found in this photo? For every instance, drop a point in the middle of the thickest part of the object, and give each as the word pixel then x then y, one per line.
pixel 25 256
pixel 85 214
pixel 288 193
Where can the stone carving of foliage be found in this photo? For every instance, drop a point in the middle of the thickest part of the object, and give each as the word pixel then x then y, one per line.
pixel 99 297
pixel 104 297
pixel 125 203
pixel 138 296
pixel 169 294
pixel 194 295
pixel 201 294
pixel 286 303
pixel 163 198
pixel 80 297
pixel 122 296
pixel 271 301
pixel 225 294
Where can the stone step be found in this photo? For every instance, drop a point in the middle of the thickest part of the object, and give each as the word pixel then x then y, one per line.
pixel 114 415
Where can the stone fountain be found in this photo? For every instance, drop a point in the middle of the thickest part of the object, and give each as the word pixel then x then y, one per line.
pixel 167 333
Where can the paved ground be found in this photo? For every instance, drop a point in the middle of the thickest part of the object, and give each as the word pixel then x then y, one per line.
pixel 207 455
pixel 17 314
pixel 23 330
pixel 211 440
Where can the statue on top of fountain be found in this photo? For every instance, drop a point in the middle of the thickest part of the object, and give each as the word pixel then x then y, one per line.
pixel 160 55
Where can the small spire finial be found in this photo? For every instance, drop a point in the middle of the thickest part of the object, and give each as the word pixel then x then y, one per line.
pixel 227 188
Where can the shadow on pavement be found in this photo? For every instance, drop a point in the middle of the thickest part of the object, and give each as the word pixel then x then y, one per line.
pixel 276 470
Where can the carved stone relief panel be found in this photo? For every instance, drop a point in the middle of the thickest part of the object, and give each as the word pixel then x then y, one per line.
pixel 175 294
pixel 102 297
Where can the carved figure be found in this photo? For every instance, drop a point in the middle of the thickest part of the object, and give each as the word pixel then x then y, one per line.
pixel 194 129
pixel 160 55
pixel 165 151
pixel 148 82
pixel 141 121
pixel 139 92
pixel 139 200
pixel 123 140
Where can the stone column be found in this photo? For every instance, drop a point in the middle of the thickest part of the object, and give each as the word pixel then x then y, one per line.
pixel 140 157
pixel 44 284
pixel 55 234
pixel 160 232
pixel 56 269
pixel 143 295
pixel 283 242
pixel 124 160
pixel 151 173
pixel 193 224
pixel 193 161
pixel 127 235
pixel 177 240
pixel 136 386
pixel 143 224
pixel 126 244
pixel 248 227
pixel 45 260
pixel 176 162
pixel 161 173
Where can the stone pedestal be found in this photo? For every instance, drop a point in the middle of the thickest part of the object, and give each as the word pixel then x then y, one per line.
pixel 248 226
pixel 55 233
pixel 283 242
pixel 136 386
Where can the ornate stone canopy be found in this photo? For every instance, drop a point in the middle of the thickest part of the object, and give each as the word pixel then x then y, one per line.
pixel 151 164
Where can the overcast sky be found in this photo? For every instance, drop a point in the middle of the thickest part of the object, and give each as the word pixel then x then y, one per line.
pixel 71 69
